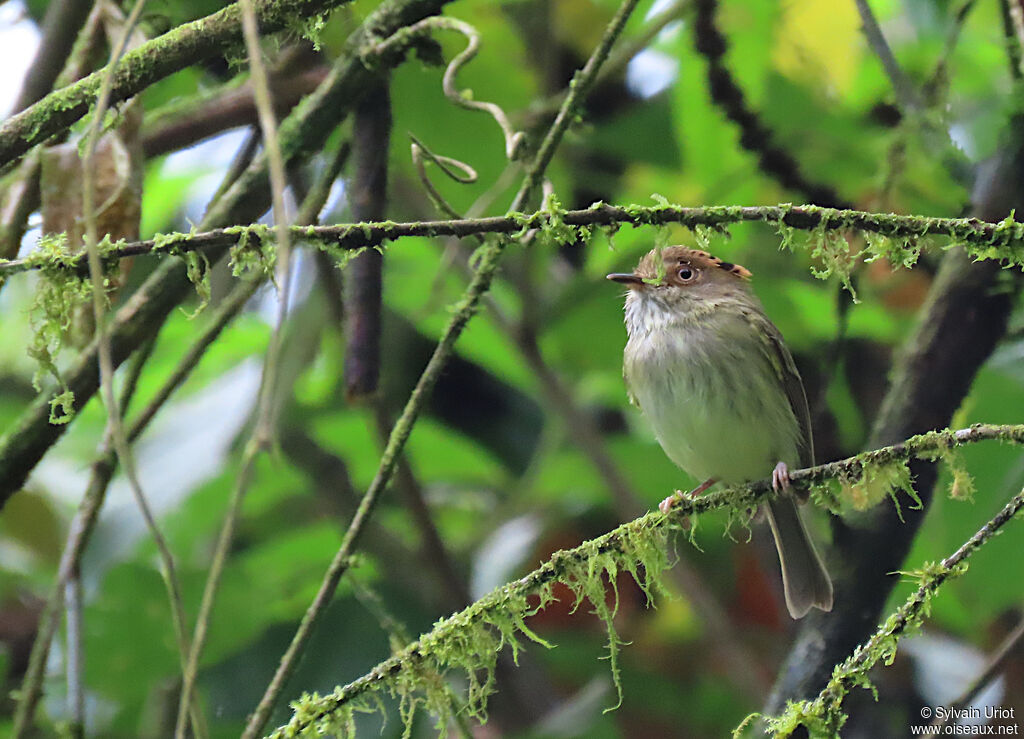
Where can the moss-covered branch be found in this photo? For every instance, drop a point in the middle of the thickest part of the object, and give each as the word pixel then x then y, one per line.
pixel 470 640
pixel 984 239
pixel 141 67
pixel 824 716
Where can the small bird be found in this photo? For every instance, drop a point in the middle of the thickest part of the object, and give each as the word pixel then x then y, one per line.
pixel 714 377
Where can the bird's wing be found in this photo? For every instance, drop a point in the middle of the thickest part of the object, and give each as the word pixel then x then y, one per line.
pixel 789 376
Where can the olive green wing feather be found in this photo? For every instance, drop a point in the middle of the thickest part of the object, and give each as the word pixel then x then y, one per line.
pixel 780 358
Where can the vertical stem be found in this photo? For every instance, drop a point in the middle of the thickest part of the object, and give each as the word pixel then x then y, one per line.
pixel 115 429
pixel 266 403
pixel 371 134
pixel 468 307
pixel 76 689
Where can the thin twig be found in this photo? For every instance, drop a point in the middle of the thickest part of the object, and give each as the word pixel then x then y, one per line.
pixel 828 703
pixel 28 438
pixel 399 637
pixel 266 402
pixel 468 307
pixel 580 85
pixel 75 655
pixel 993 666
pixel 513 139
pixel 61 25
pixel 20 197
pixel 433 549
pixel 741 497
pixel 906 95
pixel 115 429
pixel 181 47
pixel 87 514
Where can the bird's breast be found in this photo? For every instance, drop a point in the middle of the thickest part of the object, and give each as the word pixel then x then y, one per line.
pixel 715 402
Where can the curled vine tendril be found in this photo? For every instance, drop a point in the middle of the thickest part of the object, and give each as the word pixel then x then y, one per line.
pixel 453 168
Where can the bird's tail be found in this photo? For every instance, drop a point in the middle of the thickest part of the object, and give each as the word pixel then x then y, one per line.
pixel 804 577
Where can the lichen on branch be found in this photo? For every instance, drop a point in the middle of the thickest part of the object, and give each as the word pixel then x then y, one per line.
pixel 824 716
pixel 469 641
pixel 896 238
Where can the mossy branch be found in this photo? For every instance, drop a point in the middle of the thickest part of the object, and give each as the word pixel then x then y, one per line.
pixel 141 67
pixel 983 239
pixel 471 639
pixel 824 716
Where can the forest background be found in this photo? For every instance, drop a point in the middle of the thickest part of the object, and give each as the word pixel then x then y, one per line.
pixel 304 499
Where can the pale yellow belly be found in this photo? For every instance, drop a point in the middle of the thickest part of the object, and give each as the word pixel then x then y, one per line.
pixel 717 407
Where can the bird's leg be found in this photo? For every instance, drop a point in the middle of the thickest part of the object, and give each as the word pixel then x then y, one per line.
pixel 666 505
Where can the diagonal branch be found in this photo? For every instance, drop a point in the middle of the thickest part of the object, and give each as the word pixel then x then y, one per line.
pixel 827 706
pixel 965 316
pixel 141 67
pixel 468 307
pixel 302 133
pixel 430 649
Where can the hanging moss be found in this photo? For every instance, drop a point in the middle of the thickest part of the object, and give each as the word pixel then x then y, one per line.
pixel 197 267
pixel 254 254
pixel 879 477
pixel 468 643
pixel 962 485
pixel 60 294
pixel 898 251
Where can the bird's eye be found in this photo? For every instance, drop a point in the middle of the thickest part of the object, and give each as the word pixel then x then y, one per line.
pixel 686 273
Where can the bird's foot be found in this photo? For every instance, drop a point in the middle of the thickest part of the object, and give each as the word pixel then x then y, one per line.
pixel 780 477
pixel 666 505
pixel 780 483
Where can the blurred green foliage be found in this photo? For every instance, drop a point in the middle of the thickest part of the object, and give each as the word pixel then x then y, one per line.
pixel 491 450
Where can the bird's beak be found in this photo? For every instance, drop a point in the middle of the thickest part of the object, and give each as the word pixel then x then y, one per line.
pixel 628 279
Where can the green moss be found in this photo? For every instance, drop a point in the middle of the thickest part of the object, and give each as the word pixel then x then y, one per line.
pixel 62 407
pixel 198 269
pixel 255 253
pixel 962 485
pixel 555 231
pixel 832 249
pixel 878 480
pixel 59 296
pixel 468 643
pixel 898 251
pixel 170 242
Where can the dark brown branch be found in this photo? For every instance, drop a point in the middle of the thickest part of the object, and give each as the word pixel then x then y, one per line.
pixel 755 136
pixel 63 20
pixel 965 316
pixel 750 495
pixel 302 133
pixel 371 135
pixel 829 703
pixel 232 108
